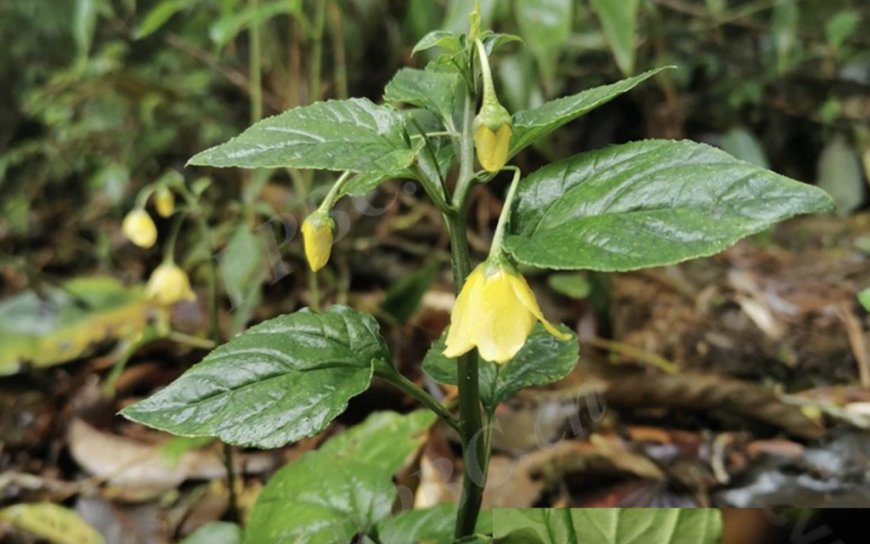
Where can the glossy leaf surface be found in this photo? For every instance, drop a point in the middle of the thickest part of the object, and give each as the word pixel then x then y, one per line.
pixel 354 134
pixel 279 381
pixel 321 498
pixel 542 360
pixel 530 125
pixel 433 90
pixel 648 203
pixel 607 526
pixel 384 439
pixel 342 489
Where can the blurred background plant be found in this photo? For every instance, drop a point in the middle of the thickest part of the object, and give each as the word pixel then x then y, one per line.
pixel 102 99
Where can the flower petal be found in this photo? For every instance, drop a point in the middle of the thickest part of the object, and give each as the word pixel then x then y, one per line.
pixel 506 323
pixel 465 319
pixel 527 298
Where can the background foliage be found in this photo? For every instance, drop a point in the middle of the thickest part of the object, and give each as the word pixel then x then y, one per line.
pixel 101 96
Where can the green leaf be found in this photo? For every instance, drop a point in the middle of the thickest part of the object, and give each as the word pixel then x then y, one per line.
pixel 56 524
pixel 364 182
pixel 242 271
pixel 173 450
pixel 438 38
pixel 545 26
pixel 456 18
pixel 430 89
pixel 84 23
pixel 864 299
pixel 839 174
pixel 433 525
pixel 619 22
pixel 321 498
pixel 384 439
pixel 342 489
pixel 715 7
pixel 841 26
pixel 648 203
pixel 61 324
pixel 216 532
pixel 227 28
pixel 355 135
pixel 442 146
pixel 743 145
pixel 544 359
pixel 492 41
pixel 519 87
pixel 403 299
pixel 530 125
pixel 112 180
pixel 533 526
pixel 571 284
pixel 607 526
pixel 279 381
pixel 784 31
pixel 158 16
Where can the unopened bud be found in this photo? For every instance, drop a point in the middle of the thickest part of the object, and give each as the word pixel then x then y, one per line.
pixel 164 202
pixel 140 228
pixel 169 284
pixel 492 135
pixel 318 231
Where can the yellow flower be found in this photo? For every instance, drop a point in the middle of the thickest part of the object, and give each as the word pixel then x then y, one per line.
pixel 169 284
pixel 164 202
pixel 317 235
pixel 495 312
pixel 492 136
pixel 139 228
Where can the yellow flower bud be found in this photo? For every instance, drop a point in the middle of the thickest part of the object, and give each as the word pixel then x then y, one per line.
pixel 317 235
pixel 495 312
pixel 139 228
pixel 169 284
pixel 164 202
pixel 492 136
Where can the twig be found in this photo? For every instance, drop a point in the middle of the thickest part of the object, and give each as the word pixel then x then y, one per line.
pixel 627 350
pixel 856 341
pixel 234 76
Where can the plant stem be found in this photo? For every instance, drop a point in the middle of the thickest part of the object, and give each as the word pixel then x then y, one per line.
pixel 488 87
pixel 466 158
pixel 214 332
pixel 422 396
pixel 254 73
pixel 316 57
pixel 498 237
pixel 334 192
pixel 473 447
pixel 339 54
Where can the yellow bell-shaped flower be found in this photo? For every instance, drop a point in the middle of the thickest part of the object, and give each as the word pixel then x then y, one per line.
pixel 492 135
pixel 169 284
pixel 318 231
pixel 139 228
pixel 164 202
pixel 495 312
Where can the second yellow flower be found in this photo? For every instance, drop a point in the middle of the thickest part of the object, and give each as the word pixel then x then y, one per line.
pixel 495 312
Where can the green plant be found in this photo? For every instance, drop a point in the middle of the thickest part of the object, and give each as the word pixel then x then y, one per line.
pixel 625 207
